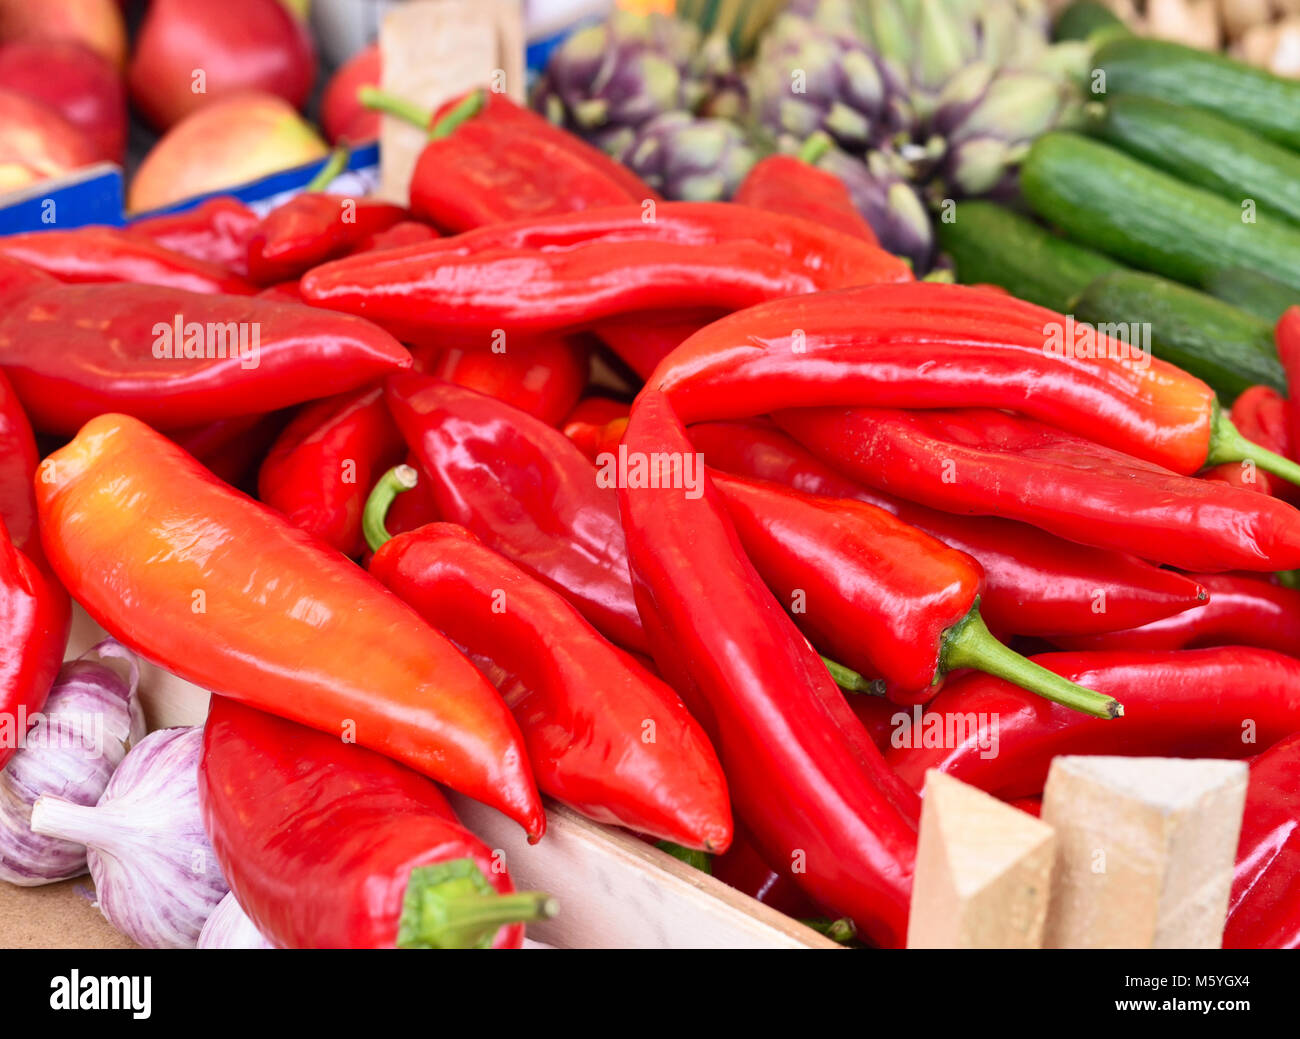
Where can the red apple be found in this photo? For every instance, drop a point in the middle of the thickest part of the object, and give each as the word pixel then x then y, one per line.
pixel 36 142
pixel 79 84
pixel 341 114
pixel 189 55
pixel 228 142
pixel 96 23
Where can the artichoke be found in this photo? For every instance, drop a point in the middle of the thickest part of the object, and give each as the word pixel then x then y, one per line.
pixel 689 158
pixel 888 203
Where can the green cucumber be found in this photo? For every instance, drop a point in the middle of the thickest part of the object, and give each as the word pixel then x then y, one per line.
pixel 992 245
pixel 1112 202
pixel 1228 348
pixel 1253 292
pixel 1249 97
pixel 1203 149
pixel 1084 18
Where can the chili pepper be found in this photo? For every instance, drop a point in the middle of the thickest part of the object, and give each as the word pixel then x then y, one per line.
pixel 177 359
pixel 930 345
pixel 321 468
pixel 569 271
pixel 18 280
pixel 878 595
pixel 805 778
pixel 526 491
pixel 1195 703
pixel 1243 611
pixel 400 235
pixel 877 714
pixel 584 425
pixel 35 616
pixel 232 448
pixel 1035 582
pixel 105 254
pixel 584 706
pixel 225 594
pixel 284 292
pixel 1260 416
pixel 1264 906
pixel 1288 351
pixel 643 340
pixel 215 231
pixel 991 463
pixel 544 376
pixel 329 845
pixel 742 868
pixel 18 460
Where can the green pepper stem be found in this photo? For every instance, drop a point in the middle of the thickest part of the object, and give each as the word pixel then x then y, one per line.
pixel 398 479
pixel 390 104
pixel 852 682
pixel 842 930
pixel 451 905
pixel 815 147
pixel 464 109
pixel 701 860
pixel 1228 445
pixel 337 163
pixel 969 643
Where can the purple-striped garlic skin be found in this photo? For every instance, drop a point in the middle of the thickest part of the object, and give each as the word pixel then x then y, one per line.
pixel 230 928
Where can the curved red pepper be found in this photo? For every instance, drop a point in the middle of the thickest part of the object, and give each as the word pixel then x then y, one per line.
pixel 327 845
pixel 105 254
pixel 215 231
pixel 1264 907
pixel 788 184
pixel 643 340
pixel 743 868
pixel 1196 703
pixel 1034 582
pixel 585 424
pixel 584 706
pixel 76 351
pixel 18 460
pixel 805 778
pixel 321 468
pixel 311 228
pixel 400 235
pixel 989 463
pixel 526 491
pixel 225 594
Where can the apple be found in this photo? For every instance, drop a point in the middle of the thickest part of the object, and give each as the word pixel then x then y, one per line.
pixel 96 23
pixel 228 142
pixel 189 55
pixel 341 114
pixel 78 83
pixel 36 142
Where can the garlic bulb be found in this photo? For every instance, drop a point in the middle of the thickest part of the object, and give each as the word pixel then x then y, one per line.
pixel 71 749
pixel 230 928
pixel 156 878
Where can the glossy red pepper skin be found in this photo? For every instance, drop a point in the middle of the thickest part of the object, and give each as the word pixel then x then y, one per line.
pixel 215 231
pixel 311 228
pixel 232 448
pixel 401 234
pixel 1264 907
pixel 1260 415
pixel 105 254
pixel 643 340
pixel 1288 351
pixel 583 705
pixel 317 837
pixel 1196 703
pixel 928 345
pixel 136 529
pixel 788 184
pixel 989 463
pixel 527 492
pixel 805 778
pixel 569 271
pixel 1034 582
pixel 743 868
pixel 18 460
pixel 320 470
pixel 67 369
pixel 585 424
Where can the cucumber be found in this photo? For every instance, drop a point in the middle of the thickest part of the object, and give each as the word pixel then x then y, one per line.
pixel 1252 292
pixel 1267 104
pixel 1228 348
pixel 1107 200
pixel 992 245
pixel 1203 149
pixel 1083 18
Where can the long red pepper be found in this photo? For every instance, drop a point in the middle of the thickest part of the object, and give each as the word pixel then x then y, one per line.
pixel 643 340
pixel 526 491
pixel 1213 703
pixel 224 593
pixel 18 460
pixel 1264 907
pixel 177 359
pixel 805 777
pixel 105 254
pixel 327 845
pixel 989 463
pixel 1260 415
pixel 743 868
pixel 604 735
pixel 232 448
pixel 215 231
pixel 1034 582
pixel 929 345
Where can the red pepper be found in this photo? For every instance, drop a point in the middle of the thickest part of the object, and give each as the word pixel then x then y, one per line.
pixel 232 448
pixel 1264 907
pixel 327 845
pixel 643 340
pixel 1034 582
pixel 76 351
pixel 527 492
pixel 105 254
pixel 791 184
pixel 805 778
pixel 400 235
pixel 744 869
pixel 929 345
pixel 1195 703
pixel 604 735
pixel 215 231
pixel 990 463
pixel 225 594
pixel 320 470
pixel 585 424
pixel 18 460
pixel 570 271
pixel 1260 416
